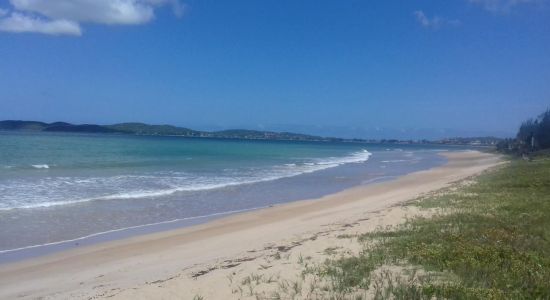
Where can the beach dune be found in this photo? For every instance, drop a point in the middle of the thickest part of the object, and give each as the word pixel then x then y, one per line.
pixel 201 260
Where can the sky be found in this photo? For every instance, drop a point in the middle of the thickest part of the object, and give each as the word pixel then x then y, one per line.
pixel 350 68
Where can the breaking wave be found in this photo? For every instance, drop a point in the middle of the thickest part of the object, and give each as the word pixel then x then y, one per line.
pixel 54 191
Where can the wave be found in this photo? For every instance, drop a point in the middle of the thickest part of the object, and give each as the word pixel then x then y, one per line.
pixel 44 166
pixel 23 167
pixel 176 184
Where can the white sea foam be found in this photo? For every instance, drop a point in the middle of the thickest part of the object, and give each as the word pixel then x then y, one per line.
pixel 313 167
pixel 44 166
pixel 54 191
pixel 356 157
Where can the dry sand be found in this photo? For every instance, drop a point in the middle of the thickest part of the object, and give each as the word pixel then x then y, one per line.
pixel 217 260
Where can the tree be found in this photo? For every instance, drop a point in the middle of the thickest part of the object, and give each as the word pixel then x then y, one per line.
pixel 533 135
pixel 542 134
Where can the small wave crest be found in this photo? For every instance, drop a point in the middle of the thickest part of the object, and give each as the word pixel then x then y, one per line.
pixel 56 191
pixel 42 166
pixel 357 157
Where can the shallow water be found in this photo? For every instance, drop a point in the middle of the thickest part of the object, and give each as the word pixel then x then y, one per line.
pixel 63 187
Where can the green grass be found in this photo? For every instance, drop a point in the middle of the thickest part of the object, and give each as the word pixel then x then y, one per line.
pixel 492 241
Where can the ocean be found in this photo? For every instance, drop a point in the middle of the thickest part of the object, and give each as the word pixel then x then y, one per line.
pixel 66 190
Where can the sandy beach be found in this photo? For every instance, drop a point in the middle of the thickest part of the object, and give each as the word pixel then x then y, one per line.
pixel 209 260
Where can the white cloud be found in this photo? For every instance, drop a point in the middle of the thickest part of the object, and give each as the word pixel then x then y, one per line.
pixel 95 11
pixel 3 12
pixel 434 22
pixel 17 22
pixel 178 8
pixel 65 16
pixel 502 6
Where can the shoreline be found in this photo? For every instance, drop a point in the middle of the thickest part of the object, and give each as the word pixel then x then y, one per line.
pixel 123 264
pixel 351 175
pixel 36 251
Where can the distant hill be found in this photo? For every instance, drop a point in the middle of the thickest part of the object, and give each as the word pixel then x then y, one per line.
pixel 163 130
pixel 254 134
pixel 146 129
pixel 169 130
pixel 23 125
pixel 52 127
pixel 88 128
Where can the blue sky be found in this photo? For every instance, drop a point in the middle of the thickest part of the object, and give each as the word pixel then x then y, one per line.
pixel 403 69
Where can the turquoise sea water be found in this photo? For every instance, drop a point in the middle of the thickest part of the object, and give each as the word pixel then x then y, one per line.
pixel 62 187
pixel 40 170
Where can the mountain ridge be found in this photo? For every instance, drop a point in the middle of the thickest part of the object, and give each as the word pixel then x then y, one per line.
pixel 136 128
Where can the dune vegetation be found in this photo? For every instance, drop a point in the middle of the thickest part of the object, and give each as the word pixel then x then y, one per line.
pixel 490 239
